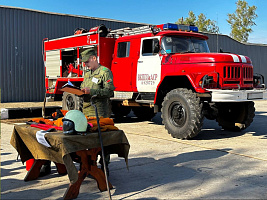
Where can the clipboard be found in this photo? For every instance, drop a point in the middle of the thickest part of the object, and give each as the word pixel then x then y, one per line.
pixel 69 87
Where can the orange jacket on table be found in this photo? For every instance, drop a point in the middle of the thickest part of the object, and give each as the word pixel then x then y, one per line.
pixel 106 124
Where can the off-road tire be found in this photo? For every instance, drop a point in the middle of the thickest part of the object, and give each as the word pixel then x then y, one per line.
pixel 235 116
pixel 144 113
pixel 182 113
pixel 71 102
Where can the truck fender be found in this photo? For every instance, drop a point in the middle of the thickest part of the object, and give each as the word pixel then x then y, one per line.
pixel 177 81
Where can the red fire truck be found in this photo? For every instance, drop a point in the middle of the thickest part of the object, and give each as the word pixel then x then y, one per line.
pixel 165 68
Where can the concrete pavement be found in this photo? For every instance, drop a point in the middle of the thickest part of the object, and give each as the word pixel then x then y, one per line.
pixel 216 164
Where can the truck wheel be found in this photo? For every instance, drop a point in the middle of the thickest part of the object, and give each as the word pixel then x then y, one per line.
pixel 182 113
pixel 71 102
pixel 144 113
pixel 235 116
pixel 120 111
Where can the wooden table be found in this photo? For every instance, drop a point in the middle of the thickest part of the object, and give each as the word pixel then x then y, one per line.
pixel 86 147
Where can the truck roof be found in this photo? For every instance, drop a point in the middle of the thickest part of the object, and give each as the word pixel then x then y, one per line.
pixel 183 33
pixel 163 33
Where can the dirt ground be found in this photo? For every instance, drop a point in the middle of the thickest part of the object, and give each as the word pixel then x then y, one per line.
pixel 217 164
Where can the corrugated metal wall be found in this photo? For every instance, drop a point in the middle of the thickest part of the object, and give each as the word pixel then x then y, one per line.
pixel 22 32
pixel 21 35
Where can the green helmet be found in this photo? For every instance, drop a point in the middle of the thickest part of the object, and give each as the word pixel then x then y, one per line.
pixel 74 122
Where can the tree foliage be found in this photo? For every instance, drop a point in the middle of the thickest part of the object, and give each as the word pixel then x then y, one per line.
pixel 203 24
pixel 242 20
pixel 190 20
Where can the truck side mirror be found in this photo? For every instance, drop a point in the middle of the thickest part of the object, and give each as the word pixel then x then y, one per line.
pixel 155 46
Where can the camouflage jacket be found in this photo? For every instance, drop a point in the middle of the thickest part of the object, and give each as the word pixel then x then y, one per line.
pixel 100 83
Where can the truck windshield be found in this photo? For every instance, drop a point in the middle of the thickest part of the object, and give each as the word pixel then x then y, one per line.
pixel 177 44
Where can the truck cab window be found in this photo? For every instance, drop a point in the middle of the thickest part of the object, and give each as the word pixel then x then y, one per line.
pixel 150 47
pixel 123 49
pixel 175 44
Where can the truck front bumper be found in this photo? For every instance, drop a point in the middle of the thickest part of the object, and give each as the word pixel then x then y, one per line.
pixel 238 95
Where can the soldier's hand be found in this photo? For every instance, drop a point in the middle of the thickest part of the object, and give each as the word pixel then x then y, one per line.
pixel 86 90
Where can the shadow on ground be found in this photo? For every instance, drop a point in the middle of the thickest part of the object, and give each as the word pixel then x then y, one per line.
pixel 211 130
pixel 147 173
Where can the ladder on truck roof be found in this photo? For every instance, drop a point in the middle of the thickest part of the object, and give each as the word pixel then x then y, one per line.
pixel 130 31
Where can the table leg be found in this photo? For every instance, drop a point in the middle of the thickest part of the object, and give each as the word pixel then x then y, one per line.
pixel 73 190
pixel 88 166
pixel 34 172
pixel 99 176
pixel 97 173
pixel 61 169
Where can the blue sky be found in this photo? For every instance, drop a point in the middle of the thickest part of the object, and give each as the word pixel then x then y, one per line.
pixel 152 11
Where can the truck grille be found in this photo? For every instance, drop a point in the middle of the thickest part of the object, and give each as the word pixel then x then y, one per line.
pixel 231 72
pixel 234 72
pixel 247 72
pixel 237 76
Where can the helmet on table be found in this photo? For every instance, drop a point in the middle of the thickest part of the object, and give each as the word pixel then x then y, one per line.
pixel 74 122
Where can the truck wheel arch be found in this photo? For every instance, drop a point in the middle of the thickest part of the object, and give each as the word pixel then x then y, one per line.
pixel 169 83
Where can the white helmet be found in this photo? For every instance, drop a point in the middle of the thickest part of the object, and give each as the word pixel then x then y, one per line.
pixel 74 122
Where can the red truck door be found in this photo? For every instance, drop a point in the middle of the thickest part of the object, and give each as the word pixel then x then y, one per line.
pixel 122 66
pixel 148 66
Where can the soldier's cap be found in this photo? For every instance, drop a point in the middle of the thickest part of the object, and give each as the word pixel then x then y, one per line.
pixel 87 53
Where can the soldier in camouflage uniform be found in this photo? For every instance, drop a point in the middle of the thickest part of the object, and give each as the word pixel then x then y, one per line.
pixel 97 81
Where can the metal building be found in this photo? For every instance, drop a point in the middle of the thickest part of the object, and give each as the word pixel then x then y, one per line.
pixel 22 76
pixel 22 33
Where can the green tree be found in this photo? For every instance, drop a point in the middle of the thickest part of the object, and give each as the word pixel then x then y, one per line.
pixel 190 20
pixel 206 25
pixel 242 20
pixel 203 24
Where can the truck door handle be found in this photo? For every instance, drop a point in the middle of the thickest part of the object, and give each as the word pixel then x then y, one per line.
pixel 140 61
pixel 114 62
